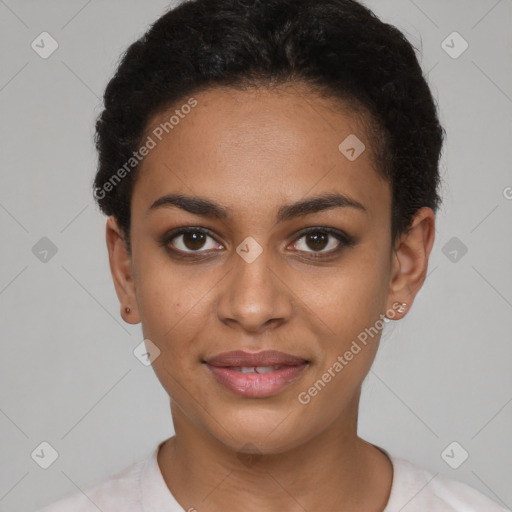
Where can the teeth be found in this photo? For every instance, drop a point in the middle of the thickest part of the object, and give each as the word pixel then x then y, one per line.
pixel 257 369
pixel 266 369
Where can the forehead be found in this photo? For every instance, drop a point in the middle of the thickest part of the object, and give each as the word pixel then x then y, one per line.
pixel 259 147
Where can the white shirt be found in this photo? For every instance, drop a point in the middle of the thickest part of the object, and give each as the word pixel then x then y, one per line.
pixel 141 488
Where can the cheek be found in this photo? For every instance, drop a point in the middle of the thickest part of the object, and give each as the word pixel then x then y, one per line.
pixel 164 307
pixel 351 296
pixel 165 295
pixel 170 319
pixel 349 329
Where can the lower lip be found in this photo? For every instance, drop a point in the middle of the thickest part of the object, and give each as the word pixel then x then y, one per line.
pixel 256 385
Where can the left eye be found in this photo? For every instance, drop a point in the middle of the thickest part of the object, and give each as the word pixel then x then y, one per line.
pixel 318 240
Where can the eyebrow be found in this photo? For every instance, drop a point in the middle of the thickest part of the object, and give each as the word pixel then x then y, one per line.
pixel 207 208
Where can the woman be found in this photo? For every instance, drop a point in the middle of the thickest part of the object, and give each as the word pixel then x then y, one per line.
pixel 270 174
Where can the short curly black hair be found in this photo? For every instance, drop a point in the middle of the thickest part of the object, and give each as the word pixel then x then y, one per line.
pixel 336 47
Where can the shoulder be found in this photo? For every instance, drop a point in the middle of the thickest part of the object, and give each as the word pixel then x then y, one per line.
pixel 415 489
pixel 118 491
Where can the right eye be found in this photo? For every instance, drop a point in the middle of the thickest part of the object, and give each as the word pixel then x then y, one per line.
pixel 190 240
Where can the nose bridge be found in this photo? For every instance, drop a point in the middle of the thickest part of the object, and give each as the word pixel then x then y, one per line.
pixel 254 294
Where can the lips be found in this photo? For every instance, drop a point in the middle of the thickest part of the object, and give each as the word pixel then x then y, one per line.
pixel 256 375
pixel 239 358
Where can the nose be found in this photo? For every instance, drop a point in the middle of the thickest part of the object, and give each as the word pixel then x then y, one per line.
pixel 255 296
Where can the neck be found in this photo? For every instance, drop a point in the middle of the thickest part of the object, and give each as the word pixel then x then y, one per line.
pixel 335 470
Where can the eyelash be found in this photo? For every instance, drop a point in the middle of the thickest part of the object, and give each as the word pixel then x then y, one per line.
pixel 344 239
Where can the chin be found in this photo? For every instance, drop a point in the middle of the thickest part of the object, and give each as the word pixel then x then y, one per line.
pixel 263 432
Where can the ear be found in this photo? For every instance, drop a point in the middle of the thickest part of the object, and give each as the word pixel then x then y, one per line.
pixel 121 269
pixel 410 261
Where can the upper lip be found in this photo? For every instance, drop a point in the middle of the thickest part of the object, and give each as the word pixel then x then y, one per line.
pixel 240 358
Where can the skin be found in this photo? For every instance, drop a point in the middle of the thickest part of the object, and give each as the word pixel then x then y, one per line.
pixel 252 152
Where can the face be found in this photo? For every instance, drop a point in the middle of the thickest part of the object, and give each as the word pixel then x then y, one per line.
pixel 288 250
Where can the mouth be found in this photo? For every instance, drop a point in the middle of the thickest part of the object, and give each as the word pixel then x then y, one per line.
pixel 256 375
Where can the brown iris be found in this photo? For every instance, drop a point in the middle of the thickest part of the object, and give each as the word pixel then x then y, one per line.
pixel 194 240
pixel 317 240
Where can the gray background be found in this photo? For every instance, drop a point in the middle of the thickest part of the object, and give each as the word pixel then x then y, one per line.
pixel 68 374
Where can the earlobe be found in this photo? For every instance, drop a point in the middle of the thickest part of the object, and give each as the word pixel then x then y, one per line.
pixel 411 255
pixel 121 270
